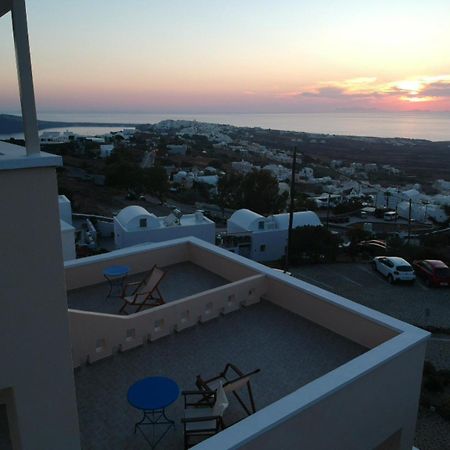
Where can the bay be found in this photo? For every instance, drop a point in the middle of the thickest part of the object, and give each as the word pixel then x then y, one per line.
pixel 415 125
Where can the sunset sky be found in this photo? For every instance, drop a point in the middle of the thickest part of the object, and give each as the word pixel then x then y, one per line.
pixel 233 56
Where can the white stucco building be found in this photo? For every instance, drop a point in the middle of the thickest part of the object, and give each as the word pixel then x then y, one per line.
pixel 280 172
pixel 135 225
pixel 243 166
pixel 106 150
pixel 268 235
pixel 306 172
pixel 67 230
pixel 183 178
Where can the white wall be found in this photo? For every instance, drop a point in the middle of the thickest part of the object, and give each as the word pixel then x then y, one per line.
pixel 365 410
pixel 65 209
pixel 124 238
pixel 275 243
pixel 68 243
pixel 35 353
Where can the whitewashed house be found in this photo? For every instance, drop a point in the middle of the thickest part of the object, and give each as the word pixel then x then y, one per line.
pixel 243 166
pixel 56 137
pixel 268 235
pixel 183 178
pixel 135 225
pixel 67 230
pixel 442 185
pixel 210 180
pixel 307 173
pixel 370 167
pixel 106 150
pixel 280 172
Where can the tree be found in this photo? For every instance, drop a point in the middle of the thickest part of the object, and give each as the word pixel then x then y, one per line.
pixel 155 181
pixel 313 244
pixel 348 206
pixel 259 192
pixel 304 203
pixel 228 191
pixel 123 174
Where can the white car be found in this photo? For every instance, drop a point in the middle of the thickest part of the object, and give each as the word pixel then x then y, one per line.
pixel 394 268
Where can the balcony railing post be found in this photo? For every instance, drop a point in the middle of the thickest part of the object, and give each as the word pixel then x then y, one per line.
pixel 25 76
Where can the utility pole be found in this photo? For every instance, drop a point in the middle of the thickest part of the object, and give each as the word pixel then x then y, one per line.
pixel 425 219
pixel 291 210
pixel 409 219
pixel 328 209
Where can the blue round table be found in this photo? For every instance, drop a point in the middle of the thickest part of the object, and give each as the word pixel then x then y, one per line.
pixel 152 395
pixel 116 276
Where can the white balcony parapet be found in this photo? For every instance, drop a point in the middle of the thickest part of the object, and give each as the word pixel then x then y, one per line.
pixel 96 336
pixel 376 394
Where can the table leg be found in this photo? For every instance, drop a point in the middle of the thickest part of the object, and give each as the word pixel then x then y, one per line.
pixel 154 418
pixel 113 282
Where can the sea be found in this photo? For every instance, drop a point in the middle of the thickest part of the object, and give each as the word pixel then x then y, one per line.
pixel 434 126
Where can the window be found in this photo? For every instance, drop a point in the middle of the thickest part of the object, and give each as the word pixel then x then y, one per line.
pixel 262 248
pixel 143 223
pixel 261 225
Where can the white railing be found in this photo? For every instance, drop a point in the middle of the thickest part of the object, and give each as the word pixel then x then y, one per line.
pixel 95 335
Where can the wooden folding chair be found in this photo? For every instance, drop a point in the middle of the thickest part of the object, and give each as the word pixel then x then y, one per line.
pixel 144 292
pixel 232 380
pixel 202 420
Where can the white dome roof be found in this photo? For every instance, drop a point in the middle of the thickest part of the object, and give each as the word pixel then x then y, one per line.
pixel 126 215
pixel 244 218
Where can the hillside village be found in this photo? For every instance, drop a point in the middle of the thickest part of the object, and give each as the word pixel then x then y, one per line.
pixel 190 168
pixel 173 172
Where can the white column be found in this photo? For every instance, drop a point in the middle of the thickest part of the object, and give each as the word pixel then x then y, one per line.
pixel 25 76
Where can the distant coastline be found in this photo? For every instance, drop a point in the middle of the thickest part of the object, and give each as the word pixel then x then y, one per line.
pixel 412 125
pixel 13 124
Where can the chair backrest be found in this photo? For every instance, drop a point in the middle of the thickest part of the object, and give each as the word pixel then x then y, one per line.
pixel 235 385
pixel 221 403
pixel 151 281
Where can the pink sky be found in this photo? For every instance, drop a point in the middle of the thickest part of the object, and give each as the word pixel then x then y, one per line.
pixel 253 56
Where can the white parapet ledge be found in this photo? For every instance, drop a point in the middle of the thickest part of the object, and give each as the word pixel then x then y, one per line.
pixel 14 157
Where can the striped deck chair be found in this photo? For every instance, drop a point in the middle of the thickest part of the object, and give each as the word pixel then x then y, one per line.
pixel 144 293
pixel 233 381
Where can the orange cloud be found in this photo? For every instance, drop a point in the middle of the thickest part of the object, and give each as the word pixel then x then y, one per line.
pixel 417 90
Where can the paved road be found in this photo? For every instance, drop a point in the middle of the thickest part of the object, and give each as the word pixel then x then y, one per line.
pixel 416 304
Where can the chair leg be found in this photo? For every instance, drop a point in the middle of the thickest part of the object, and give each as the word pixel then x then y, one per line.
pixel 160 296
pixel 123 307
pixel 250 395
pixel 242 403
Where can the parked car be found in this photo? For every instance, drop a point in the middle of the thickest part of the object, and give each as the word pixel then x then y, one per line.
pixel 373 247
pixel 394 268
pixel 390 215
pixel 435 273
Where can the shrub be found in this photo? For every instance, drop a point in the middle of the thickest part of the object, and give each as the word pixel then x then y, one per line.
pixel 444 409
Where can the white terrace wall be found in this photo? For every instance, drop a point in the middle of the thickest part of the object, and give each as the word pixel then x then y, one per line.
pixel 328 310
pixel 89 271
pixel 358 406
pixel 212 258
pixel 95 336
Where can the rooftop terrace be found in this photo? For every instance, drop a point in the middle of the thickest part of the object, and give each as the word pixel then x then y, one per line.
pixel 181 280
pixel 289 350
pixel 323 359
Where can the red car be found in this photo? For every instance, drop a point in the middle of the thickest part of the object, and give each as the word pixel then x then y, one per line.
pixel 434 272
